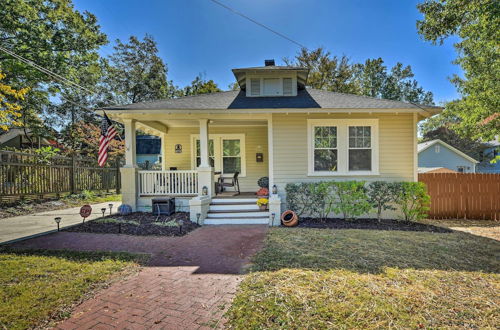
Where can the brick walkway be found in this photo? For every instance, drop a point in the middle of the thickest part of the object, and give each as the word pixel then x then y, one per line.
pixel 189 284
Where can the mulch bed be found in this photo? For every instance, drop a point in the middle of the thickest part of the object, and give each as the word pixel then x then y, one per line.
pixel 384 224
pixel 144 228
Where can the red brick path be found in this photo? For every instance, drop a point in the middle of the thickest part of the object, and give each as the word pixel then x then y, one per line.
pixel 189 284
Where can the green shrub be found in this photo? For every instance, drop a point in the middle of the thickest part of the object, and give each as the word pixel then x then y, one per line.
pixel 350 199
pixel 413 200
pixel 171 223
pixel 381 194
pixel 310 198
pixel 263 182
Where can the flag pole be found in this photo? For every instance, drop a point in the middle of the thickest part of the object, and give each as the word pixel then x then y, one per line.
pixel 119 137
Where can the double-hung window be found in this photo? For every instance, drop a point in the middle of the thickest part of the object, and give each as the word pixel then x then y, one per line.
pixel 343 147
pixel 226 153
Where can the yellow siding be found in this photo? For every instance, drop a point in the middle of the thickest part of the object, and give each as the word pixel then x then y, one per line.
pixel 254 136
pixel 396 148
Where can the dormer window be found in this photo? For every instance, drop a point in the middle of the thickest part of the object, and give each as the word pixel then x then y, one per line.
pixel 255 87
pixel 272 86
pixel 287 86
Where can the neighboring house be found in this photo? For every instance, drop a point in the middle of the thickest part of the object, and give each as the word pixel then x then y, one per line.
pixel 437 153
pixel 491 151
pixel 422 170
pixel 17 138
pixel 272 127
pixel 148 151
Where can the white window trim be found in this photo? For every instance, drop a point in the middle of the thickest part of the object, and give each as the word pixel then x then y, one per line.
pixel 343 146
pixel 218 150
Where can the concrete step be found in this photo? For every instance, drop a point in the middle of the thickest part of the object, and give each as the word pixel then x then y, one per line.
pixel 234 207
pixel 244 214
pixel 237 221
pixel 233 200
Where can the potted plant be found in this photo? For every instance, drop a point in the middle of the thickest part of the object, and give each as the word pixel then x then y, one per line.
pixel 262 192
pixel 262 203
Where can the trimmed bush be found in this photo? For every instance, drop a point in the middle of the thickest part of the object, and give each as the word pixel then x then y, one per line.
pixel 381 194
pixel 349 199
pixel 413 200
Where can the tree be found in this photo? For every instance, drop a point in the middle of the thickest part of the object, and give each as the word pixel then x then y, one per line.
pixel 10 109
pixel 477 24
pixel 136 73
pixel 201 86
pixel 52 34
pixel 326 71
pixel 371 78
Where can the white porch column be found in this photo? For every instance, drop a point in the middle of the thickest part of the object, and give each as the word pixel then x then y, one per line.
pixel 205 171
pixel 163 137
pixel 130 136
pixel 129 171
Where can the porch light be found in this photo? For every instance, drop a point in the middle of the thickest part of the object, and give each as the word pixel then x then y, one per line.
pixel 110 208
pixel 57 220
pixel 103 210
pixel 204 190
pixel 275 189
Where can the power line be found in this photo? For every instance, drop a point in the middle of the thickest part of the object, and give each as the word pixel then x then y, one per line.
pixel 258 23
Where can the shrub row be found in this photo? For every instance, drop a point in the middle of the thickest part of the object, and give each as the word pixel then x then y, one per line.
pixel 355 198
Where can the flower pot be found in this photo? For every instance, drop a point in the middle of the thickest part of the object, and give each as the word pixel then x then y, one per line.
pixel 289 218
pixel 263 207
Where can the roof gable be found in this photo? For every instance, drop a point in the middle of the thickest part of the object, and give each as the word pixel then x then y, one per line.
pixel 426 145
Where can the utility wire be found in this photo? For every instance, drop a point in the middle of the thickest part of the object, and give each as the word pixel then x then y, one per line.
pixel 258 23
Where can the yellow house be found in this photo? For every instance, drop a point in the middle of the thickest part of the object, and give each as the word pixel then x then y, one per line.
pixel 272 127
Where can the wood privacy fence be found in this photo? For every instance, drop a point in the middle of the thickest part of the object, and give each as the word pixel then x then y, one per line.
pixel 24 174
pixel 463 196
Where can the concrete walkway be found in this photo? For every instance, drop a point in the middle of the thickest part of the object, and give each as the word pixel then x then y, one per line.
pixel 31 225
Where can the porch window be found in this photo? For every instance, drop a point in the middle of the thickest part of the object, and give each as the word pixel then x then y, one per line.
pixel 231 156
pixel 360 152
pixel 211 157
pixel 342 147
pixel 325 148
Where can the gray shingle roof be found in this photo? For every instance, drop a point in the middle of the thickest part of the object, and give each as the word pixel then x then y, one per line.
pixel 308 99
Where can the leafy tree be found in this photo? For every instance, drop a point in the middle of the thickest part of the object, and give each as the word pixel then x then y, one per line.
pixel 201 86
pixel 477 25
pixel 52 34
pixel 380 195
pixel 10 109
pixel 136 73
pixel 326 71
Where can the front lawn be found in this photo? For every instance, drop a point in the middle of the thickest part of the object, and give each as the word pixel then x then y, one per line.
pixel 322 278
pixel 39 287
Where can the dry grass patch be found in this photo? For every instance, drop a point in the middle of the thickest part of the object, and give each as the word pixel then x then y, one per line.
pixel 39 287
pixel 306 278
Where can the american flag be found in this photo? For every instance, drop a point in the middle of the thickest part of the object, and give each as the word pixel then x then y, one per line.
pixel 108 132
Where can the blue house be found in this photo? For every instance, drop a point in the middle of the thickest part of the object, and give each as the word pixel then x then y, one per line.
pixel 490 152
pixel 148 151
pixel 437 154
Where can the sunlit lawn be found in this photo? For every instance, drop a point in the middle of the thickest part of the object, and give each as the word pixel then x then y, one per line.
pixel 321 278
pixel 38 287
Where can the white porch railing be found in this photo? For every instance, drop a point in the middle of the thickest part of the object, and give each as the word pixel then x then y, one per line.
pixel 168 183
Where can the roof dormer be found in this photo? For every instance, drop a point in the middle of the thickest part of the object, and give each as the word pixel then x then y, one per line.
pixel 271 80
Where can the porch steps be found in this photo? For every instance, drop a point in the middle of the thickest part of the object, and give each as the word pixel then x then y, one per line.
pixel 233 210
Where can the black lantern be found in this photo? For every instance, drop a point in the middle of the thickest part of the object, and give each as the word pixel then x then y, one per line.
pixel 181 223
pixel 204 190
pixel 198 215
pixel 275 189
pixel 110 208
pixel 103 210
pixel 57 220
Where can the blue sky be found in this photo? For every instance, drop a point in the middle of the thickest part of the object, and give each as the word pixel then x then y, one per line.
pixel 197 36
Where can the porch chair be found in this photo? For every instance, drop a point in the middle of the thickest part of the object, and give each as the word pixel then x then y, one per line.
pixel 223 182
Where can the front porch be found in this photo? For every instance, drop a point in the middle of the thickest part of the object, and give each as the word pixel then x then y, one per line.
pixel 195 153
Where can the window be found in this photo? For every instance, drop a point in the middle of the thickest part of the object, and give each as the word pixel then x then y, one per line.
pixel 360 152
pixel 437 149
pixel 272 86
pixel 461 169
pixel 325 148
pixel 287 86
pixel 231 156
pixel 343 147
pixel 255 87
pixel 226 153
pixel 210 153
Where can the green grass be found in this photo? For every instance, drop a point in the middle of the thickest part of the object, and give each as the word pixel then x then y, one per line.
pixel 112 220
pixel 39 287
pixel 313 278
pixel 171 223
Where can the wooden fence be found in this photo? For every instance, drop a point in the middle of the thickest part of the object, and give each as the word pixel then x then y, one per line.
pixel 24 174
pixel 463 196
